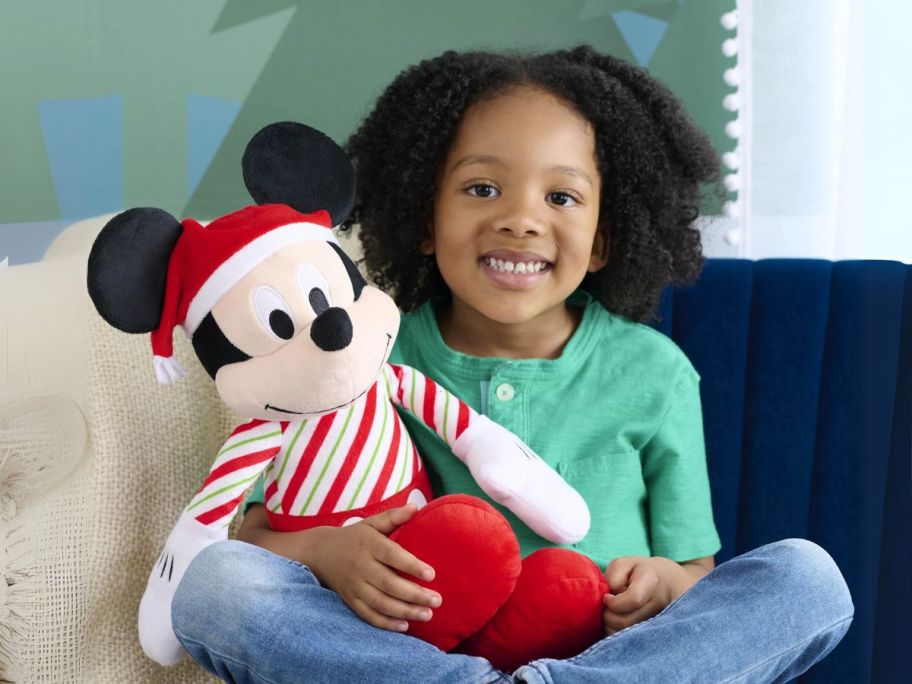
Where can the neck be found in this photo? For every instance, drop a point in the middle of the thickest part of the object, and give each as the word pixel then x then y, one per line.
pixel 544 337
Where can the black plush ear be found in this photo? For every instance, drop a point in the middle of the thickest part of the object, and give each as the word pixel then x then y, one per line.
pixel 128 266
pixel 290 163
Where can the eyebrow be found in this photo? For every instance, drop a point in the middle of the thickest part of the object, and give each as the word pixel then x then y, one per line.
pixel 573 171
pixel 488 159
pixel 476 159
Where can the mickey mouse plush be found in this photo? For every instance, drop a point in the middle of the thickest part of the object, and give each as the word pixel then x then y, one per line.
pixel 298 342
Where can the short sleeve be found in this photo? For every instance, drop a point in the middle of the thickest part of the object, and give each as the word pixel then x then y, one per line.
pixel 256 495
pixel 681 522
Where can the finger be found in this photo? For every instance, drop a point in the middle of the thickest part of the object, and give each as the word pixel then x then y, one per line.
pixel 618 571
pixel 394 608
pixel 387 521
pixel 371 616
pixel 643 583
pixel 390 553
pixel 391 584
pixel 615 622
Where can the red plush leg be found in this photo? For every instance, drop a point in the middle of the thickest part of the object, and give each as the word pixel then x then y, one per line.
pixel 555 611
pixel 476 559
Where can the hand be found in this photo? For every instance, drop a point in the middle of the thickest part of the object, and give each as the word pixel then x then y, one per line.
pixel 641 587
pixel 188 538
pixel 359 562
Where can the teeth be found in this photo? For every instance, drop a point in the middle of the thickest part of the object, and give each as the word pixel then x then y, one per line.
pixel 521 268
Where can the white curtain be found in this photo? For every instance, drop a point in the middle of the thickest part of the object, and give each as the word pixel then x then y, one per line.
pixel 826 142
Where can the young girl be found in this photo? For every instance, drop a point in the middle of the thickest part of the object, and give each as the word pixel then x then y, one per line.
pixel 527 212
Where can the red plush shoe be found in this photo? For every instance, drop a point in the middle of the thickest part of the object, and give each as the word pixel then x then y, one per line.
pixel 555 611
pixel 476 561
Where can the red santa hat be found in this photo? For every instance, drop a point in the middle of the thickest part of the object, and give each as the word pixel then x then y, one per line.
pixel 207 261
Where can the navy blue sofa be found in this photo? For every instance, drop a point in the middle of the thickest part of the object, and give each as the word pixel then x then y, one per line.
pixel 806 372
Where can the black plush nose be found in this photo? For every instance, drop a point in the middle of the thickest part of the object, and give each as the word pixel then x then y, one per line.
pixel 332 329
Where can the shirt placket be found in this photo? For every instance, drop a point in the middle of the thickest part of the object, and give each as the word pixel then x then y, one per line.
pixel 505 399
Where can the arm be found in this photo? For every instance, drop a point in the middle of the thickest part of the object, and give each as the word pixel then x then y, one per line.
pixel 245 454
pixel 441 410
pixel 205 521
pixel 680 515
pixel 504 467
pixel 358 562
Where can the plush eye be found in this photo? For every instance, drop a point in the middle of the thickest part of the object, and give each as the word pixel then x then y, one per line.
pixel 274 313
pixel 314 288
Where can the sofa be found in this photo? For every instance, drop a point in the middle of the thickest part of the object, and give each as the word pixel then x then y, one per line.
pixel 806 368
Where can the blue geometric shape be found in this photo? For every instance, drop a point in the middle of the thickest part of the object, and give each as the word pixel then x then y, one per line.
pixel 642 33
pixel 83 140
pixel 25 243
pixel 208 122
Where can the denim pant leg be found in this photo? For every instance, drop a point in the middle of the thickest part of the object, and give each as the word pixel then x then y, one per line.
pixel 765 616
pixel 247 615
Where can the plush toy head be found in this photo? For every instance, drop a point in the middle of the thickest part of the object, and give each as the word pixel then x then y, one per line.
pixel 277 313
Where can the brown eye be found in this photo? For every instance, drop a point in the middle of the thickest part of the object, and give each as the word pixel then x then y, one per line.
pixel 562 199
pixel 482 190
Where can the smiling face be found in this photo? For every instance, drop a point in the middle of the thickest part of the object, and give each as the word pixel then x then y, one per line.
pixel 313 345
pixel 516 212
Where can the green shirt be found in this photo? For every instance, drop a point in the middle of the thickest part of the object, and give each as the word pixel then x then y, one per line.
pixel 617 415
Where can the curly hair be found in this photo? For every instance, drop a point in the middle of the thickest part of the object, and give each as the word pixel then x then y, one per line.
pixel 651 158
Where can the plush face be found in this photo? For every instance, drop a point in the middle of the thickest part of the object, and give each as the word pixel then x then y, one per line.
pixel 300 335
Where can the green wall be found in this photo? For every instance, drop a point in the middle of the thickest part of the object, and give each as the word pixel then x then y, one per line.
pixel 116 103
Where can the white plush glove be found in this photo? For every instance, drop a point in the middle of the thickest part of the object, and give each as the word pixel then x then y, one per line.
pixel 186 540
pixel 516 477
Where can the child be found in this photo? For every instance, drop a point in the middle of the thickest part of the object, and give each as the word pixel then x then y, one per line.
pixel 527 212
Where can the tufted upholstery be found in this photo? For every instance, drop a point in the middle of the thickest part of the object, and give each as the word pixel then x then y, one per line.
pixel 806 372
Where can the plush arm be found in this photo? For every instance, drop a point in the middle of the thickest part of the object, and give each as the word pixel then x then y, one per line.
pixel 504 467
pixel 205 521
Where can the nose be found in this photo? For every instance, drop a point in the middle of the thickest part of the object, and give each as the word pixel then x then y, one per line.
pixel 332 329
pixel 523 217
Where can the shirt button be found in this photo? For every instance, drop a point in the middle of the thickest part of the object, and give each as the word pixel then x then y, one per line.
pixel 505 392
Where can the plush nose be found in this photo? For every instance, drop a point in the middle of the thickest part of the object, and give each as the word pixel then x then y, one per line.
pixel 332 329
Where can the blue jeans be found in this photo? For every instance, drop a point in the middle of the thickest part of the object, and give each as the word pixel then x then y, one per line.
pixel 247 615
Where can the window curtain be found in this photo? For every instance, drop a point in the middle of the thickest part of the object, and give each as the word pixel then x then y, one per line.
pixel 824 140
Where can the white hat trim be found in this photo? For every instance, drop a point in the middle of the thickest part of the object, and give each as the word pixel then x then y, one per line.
pixel 246 259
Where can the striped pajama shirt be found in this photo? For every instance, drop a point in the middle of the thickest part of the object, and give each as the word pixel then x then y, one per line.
pixel 340 462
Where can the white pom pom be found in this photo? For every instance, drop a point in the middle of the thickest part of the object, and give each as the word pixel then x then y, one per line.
pixel 731 160
pixel 730 47
pixel 732 209
pixel 167 370
pixel 729 20
pixel 733 129
pixel 732 182
pixel 733 237
pixel 732 102
pixel 732 77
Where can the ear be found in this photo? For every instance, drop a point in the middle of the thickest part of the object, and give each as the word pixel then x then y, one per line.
pixel 601 246
pixel 128 267
pixel 426 246
pixel 290 163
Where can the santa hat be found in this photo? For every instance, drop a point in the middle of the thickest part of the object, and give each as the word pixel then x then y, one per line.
pixel 207 262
